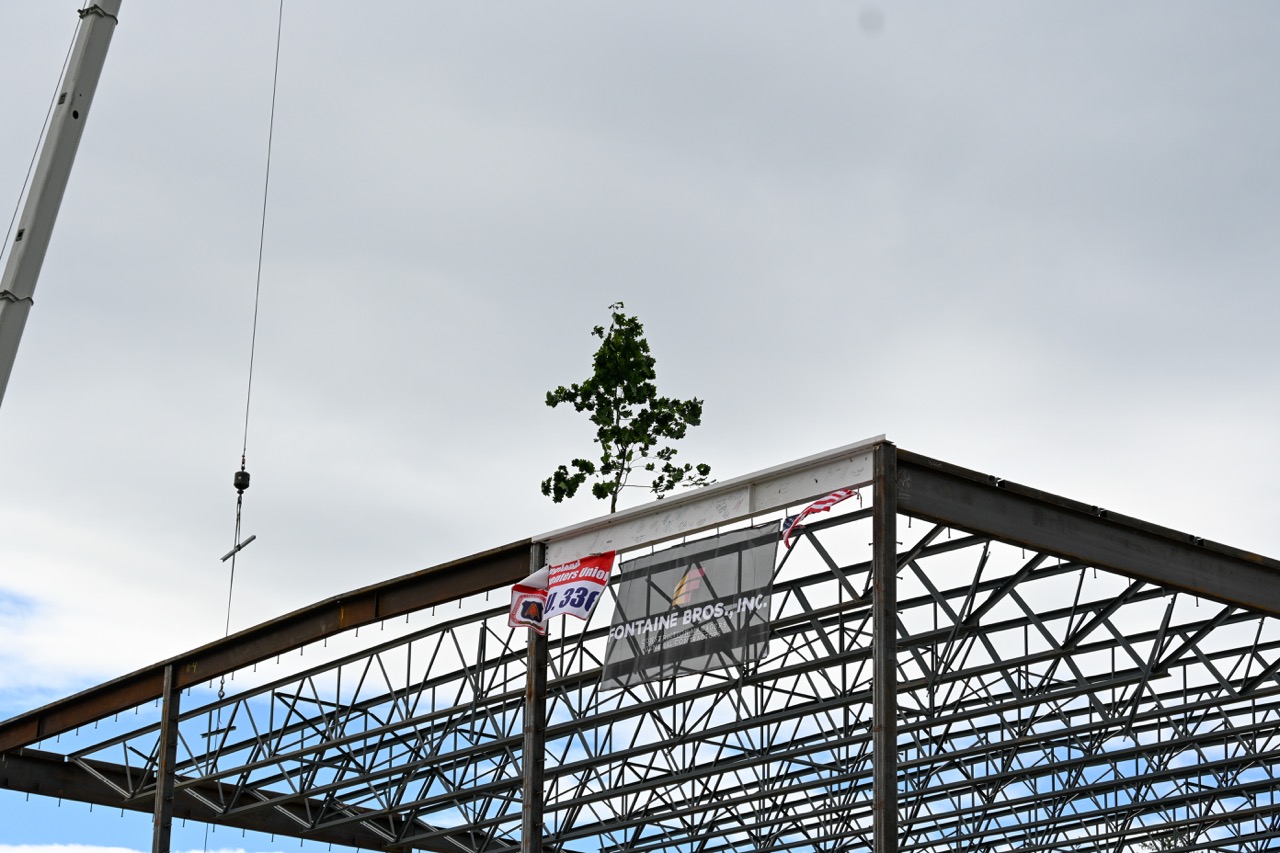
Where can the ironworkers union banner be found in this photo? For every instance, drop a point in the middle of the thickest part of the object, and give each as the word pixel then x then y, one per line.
pixel 567 589
pixel 694 608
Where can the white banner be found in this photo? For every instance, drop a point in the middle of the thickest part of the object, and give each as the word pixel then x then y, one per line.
pixel 570 589
pixel 574 587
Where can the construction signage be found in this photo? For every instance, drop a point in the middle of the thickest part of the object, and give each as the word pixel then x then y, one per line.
pixel 694 608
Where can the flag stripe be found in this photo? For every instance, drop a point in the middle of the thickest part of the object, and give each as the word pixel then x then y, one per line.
pixel 820 505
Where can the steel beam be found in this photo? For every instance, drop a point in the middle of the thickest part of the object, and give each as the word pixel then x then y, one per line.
pixel 48 774
pixel 884 651
pixel 947 494
pixel 406 594
pixel 535 732
pixel 695 510
pixel 162 817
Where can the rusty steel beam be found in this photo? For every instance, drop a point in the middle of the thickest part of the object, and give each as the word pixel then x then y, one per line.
pixel 406 594
pixel 162 819
pixel 957 497
pixel 884 652
pixel 533 755
pixel 33 771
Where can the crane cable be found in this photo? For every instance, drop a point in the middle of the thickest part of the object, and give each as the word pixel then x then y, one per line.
pixel 241 479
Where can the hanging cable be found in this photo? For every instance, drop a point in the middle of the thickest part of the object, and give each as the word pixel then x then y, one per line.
pixel 241 479
pixel 262 231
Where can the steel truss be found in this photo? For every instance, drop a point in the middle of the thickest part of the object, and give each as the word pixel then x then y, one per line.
pixel 1065 679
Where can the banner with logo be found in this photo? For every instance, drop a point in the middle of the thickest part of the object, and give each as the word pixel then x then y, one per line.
pixel 694 608
pixel 573 588
pixel 569 589
pixel 529 606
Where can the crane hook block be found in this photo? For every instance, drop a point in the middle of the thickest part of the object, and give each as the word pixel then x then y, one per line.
pixel 242 480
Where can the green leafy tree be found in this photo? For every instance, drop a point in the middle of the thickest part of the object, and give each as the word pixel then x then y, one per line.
pixel 631 419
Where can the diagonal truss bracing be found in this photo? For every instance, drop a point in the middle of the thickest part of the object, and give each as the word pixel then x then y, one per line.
pixel 1065 680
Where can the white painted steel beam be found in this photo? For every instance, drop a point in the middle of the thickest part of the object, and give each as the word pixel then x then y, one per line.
pixel 780 487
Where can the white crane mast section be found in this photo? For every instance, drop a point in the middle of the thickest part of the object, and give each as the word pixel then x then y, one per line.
pixel 35 227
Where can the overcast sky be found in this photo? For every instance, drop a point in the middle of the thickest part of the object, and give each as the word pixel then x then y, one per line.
pixel 1038 240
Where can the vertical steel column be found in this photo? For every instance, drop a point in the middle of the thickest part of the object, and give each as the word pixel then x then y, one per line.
pixel 884 651
pixel 535 729
pixel 162 825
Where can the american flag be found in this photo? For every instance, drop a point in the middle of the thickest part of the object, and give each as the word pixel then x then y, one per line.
pixel 792 523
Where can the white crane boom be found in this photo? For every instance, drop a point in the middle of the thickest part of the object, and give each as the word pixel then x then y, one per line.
pixel 31 241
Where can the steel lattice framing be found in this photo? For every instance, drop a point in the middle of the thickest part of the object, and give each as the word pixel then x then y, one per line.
pixel 1048 697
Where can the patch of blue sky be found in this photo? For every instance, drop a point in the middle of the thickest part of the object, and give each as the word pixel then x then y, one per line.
pixel 19 699
pixel 15 606
pixel 21 688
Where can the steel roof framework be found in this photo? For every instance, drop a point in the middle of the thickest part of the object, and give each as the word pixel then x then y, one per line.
pixel 1065 679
